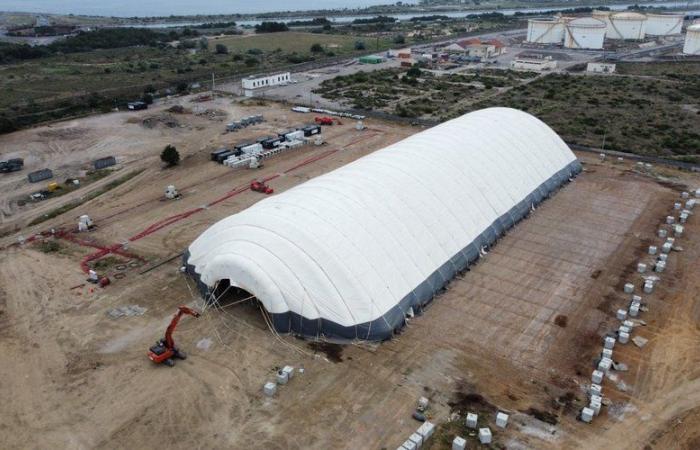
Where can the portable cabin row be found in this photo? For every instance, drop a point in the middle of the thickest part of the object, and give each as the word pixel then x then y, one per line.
pixel 11 165
pixel 311 130
pixel 104 162
pixel 40 175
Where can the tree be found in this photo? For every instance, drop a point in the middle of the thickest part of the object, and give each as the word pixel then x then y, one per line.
pixel 399 39
pixel 147 98
pixel 317 48
pixel 221 49
pixel 170 156
pixel 359 45
pixel 413 72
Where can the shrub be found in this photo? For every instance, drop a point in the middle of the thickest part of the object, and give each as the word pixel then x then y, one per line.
pixel 170 156
pixel 317 48
pixel 221 49
pixel 360 45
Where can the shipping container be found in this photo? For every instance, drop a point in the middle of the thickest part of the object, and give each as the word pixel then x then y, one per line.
pixel 294 135
pixel 40 175
pixel 240 145
pixel 253 149
pixel 104 162
pixel 284 133
pixel 216 153
pixel 221 157
pixel 271 142
pixel 311 130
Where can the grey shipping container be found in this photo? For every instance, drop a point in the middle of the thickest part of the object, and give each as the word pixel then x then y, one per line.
pixel 40 175
pixel 240 145
pixel 105 162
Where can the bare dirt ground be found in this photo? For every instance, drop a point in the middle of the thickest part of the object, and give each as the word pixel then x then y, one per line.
pixel 71 376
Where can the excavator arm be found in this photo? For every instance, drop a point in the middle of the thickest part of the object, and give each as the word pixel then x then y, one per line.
pixel 181 311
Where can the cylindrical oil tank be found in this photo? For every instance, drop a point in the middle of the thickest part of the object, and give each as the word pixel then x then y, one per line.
pixel 664 24
pixel 545 31
pixel 692 40
pixel 585 32
pixel 627 26
pixel 604 16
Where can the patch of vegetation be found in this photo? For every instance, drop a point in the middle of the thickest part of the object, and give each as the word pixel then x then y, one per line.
pixel 92 195
pixel 49 246
pixel 170 156
pixel 271 27
pixel 105 263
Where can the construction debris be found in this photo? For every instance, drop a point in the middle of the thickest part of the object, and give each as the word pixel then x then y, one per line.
pixel 126 311
pixel 640 341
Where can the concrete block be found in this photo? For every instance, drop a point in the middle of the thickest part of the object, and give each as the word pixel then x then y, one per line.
pixel 597 377
pixel 426 430
pixel 485 436
pixel 629 288
pixel 641 267
pixel 417 439
pixel 459 443
pixel 596 389
pixel 609 342
pixel 607 353
pixel 652 249
pixel 670 219
pixel 623 338
pixel 472 420
pixel 270 389
pixel 501 420
pixel 289 370
pixel 587 415
pixel 621 314
pixel 662 233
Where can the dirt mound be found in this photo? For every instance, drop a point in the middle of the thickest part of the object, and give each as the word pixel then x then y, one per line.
pixel 165 120
pixel 64 133
pixel 212 114
pixel 178 109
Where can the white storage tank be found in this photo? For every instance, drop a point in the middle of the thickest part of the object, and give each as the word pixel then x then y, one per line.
pixel 585 32
pixel 603 16
pixel 627 26
pixel 664 24
pixel 545 31
pixel 692 40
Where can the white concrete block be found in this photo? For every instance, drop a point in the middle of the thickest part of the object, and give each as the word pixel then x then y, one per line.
pixel 609 342
pixel 417 439
pixel 677 206
pixel 597 377
pixel 623 338
pixel 587 415
pixel 634 310
pixel 624 329
pixel 485 436
pixel 670 219
pixel 595 405
pixel 684 195
pixel 289 370
pixel 662 233
pixel 660 266
pixel 636 298
pixel 423 403
pixel 628 323
pixel 459 443
pixel 678 230
pixel 426 430
pixel 607 353
pixel 408 445
pixel 621 314
pixel 472 420
pixel 270 389
pixel 282 377
pixel 641 267
pixel 604 365
pixel 596 389
pixel 663 257
pixel 666 248
pixel 629 288
pixel 501 420
pixel 652 249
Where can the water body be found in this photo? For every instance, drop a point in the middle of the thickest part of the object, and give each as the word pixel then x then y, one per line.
pixel 151 8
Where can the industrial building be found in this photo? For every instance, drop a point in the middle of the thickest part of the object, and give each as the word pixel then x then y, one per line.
pixel 476 48
pixel 350 254
pixel 535 62
pixel 585 33
pixel 692 40
pixel 256 82
pixel 600 67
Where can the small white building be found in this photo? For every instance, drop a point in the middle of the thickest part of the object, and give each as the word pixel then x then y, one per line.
pixel 263 81
pixel 537 63
pixel 600 68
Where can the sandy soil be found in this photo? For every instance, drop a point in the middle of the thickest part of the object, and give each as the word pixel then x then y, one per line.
pixel 71 376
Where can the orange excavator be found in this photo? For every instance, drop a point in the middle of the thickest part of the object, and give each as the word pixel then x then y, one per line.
pixel 165 350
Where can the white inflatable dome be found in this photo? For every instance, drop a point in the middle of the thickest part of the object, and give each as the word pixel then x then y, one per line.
pixel 346 255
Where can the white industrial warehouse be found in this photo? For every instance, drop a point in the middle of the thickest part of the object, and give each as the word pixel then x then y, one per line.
pixel 348 255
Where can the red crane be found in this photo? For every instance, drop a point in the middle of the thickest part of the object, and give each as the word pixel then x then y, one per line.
pixel 165 350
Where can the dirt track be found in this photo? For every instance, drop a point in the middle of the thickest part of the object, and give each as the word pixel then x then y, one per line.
pixel 73 377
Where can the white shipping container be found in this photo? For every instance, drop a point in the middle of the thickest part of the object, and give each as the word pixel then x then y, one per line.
pixel 294 135
pixel 252 149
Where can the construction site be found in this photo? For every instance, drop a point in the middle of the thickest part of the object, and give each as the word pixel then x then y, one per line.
pixel 91 276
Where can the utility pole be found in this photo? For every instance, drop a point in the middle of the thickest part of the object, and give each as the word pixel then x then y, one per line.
pixel 212 84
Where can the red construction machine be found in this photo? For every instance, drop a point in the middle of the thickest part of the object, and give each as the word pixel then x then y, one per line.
pixel 260 186
pixel 165 350
pixel 327 120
